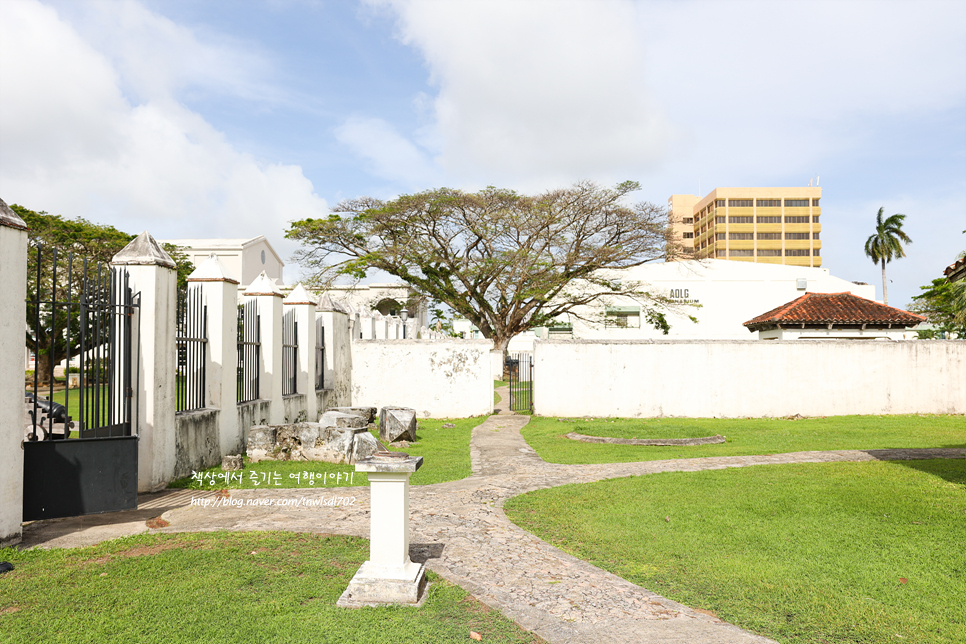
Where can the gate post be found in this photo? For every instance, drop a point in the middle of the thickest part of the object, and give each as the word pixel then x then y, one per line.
pixel 13 303
pixel 220 292
pixel 304 307
pixel 152 273
pixel 338 353
pixel 269 299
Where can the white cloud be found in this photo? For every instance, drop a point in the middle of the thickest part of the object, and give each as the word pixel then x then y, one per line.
pixel 390 155
pixel 547 91
pixel 538 90
pixel 73 143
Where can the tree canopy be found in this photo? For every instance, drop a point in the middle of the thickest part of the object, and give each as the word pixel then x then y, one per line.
pixel 98 244
pixel 886 244
pixel 507 262
pixel 942 304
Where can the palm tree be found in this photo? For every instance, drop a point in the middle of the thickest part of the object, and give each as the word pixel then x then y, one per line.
pixel 886 245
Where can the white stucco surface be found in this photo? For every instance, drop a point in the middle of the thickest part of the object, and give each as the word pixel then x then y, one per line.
pixel 13 281
pixel 729 293
pixel 437 378
pixel 732 379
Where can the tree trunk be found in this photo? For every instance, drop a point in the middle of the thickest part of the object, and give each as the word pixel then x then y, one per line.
pixel 500 344
pixel 885 286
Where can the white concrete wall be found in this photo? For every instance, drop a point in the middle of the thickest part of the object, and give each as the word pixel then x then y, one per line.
pixel 732 379
pixel 13 286
pixel 438 378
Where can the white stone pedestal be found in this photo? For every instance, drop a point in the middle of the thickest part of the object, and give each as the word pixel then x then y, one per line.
pixel 388 577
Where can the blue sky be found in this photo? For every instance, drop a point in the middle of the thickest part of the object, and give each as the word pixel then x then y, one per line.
pixel 231 118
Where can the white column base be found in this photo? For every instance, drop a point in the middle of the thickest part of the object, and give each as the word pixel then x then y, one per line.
pixel 379 585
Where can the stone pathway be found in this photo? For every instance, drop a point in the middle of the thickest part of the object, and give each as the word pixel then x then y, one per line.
pixel 460 531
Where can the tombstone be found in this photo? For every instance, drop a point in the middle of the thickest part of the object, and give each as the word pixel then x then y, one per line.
pixel 397 424
pixel 369 413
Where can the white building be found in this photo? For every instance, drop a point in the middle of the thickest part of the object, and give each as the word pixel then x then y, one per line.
pixel 245 259
pixel 720 294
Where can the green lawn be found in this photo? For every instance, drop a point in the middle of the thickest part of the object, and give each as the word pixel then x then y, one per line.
pixel 744 436
pixel 222 587
pixel 850 553
pixel 445 452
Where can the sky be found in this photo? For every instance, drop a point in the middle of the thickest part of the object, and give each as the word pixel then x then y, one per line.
pixel 232 118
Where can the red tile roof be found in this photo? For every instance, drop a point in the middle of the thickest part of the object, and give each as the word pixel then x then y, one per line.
pixel 957 268
pixel 833 308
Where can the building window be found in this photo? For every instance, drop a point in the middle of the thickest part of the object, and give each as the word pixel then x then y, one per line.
pixel 719 203
pixel 796 252
pixel 769 235
pixel 796 220
pixel 622 317
pixel 769 252
pixel 796 203
pixel 815 235
pixel 769 220
pixel 815 252
pixel 740 203
pixel 740 253
pixel 687 220
pixel 719 220
pixel 815 203
pixel 739 236
pixel 741 220
pixel 720 236
pixel 769 203
pixel 796 235
pixel 815 219
pixel 689 235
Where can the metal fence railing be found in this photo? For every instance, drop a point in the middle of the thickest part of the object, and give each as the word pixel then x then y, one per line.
pixel 192 342
pixel 290 353
pixel 249 351
pixel 319 355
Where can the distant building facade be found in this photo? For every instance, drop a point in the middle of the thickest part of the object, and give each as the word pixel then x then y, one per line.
pixel 761 225
pixel 245 259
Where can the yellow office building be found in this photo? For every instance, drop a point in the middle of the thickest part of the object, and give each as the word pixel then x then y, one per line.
pixel 767 225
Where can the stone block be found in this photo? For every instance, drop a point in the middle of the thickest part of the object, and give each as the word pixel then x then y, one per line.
pixel 232 462
pixel 364 445
pixel 369 413
pixel 308 434
pixel 261 442
pixel 331 418
pixel 397 423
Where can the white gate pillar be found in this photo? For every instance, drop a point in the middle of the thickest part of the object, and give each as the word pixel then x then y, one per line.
pixel 220 294
pixel 13 303
pixel 269 299
pixel 152 274
pixel 304 307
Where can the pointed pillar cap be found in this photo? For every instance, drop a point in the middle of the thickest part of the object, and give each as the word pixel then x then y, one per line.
pixel 143 250
pixel 263 285
pixel 211 270
pixel 299 296
pixel 326 304
pixel 9 218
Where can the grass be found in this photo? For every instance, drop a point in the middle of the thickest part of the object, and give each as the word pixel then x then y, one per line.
pixel 744 436
pixel 445 452
pixel 222 587
pixel 807 554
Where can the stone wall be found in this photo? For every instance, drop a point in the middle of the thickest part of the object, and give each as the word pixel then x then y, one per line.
pixel 196 441
pixel 449 378
pixel 733 379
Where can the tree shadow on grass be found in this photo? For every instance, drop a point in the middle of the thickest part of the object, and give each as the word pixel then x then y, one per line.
pixel 948 465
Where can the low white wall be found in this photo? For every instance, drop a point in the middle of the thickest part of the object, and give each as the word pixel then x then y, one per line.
pixel 731 379
pixel 437 378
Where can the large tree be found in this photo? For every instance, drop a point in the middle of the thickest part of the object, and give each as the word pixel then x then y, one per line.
pixel 942 304
pixel 505 261
pixel 97 243
pixel 886 244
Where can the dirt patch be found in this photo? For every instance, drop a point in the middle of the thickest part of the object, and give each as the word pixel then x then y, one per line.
pixel 9 609
pixel 157 522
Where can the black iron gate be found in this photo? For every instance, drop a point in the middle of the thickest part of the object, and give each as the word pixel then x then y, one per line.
pixel 520 367
pixel 80 442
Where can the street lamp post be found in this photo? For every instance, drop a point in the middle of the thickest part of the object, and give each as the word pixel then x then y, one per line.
pixel 404 314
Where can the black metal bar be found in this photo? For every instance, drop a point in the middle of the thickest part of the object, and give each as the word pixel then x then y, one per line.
pixel 70 277
pixel 53 339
